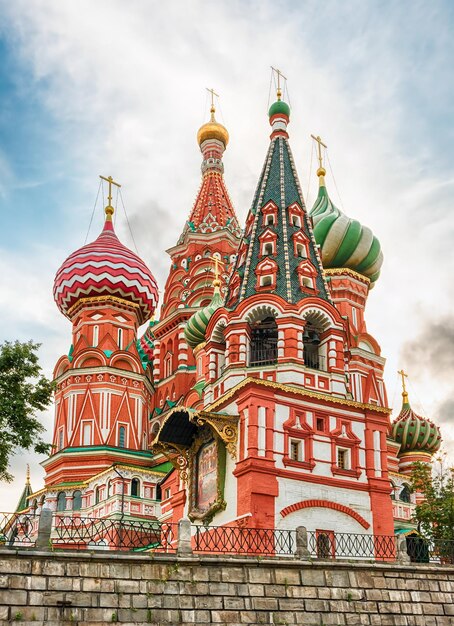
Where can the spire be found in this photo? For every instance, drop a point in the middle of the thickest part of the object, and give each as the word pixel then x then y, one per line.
pixel 26 492
pixel 213 209
pixel 278 253
pixel 405 402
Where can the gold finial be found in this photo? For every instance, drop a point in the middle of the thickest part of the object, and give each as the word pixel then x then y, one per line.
pixel 109 208
pixel 213 108
pixel 27 479
pixel 216 281
pixel 404 390
pixel 279 76
pixel 321 170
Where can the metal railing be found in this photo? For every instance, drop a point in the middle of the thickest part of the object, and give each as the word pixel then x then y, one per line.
pixel 18 529
pixel 262 354
pixel 248 541
pixel 85 533
pixel 330 545
pixel 314 361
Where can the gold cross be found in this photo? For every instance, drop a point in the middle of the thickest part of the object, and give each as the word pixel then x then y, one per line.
pixel 319 147
pixel 213 95
pixel 279 75
pixel 404 390
pixel 216 282
pixel 111 182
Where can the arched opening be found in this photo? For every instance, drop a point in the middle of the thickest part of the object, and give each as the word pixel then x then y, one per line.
pixel 97 495
pixel 77 500
pixel 263 342
pixel 135 487
pixel 311 343
pixel 405 494
pixel 61 501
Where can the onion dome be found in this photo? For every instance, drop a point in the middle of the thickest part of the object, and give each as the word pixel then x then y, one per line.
pixel 413 432
pixel 279 107
pixel 213 130
pixel 279 114
pixel 344 242
pixel 106 267
pixel 196 326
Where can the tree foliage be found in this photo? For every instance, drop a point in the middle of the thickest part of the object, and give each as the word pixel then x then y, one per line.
pixel 435 514
pixel 23 392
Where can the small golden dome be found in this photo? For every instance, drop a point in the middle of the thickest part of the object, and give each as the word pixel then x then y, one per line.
pixel 213 130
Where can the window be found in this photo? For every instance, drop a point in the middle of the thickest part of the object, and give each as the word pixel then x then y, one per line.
pixel 343 460
pixel 86 434
pixel 266 281
pixel 61 501
pixel 109 488
pixel 167 493
pixel 60 439
pixel 268 248
pixel 300 250
pixel 120 338
pixel 354 317
pixel 168 365
pixel 307 282
pixel 122 437
pixel 320 424
pixel 311 343
pixel 405 494
pixel 270 220
pixel 295 450
pixel 135 487
pixel 95 336
pixel 97 495
pixel 296 221
pixel 77 500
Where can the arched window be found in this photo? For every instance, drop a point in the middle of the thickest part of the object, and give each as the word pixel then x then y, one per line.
pixel 311 342
pixel 270 220
pixel 300 250
pixel 97 495
pixel 77 500
pixel 95 336
pixel 122 437
pixel 405 494
pixel 120 338
pixel 135 487
pixel 61 501
pixel 264 342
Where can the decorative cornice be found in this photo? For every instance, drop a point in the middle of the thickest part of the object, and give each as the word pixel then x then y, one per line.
pixel 345 271
pixel 95 300
pixel 300 392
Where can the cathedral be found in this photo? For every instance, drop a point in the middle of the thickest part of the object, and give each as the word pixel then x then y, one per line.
pixel 257 399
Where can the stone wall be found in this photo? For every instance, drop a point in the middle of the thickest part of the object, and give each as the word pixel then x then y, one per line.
pixel 79 588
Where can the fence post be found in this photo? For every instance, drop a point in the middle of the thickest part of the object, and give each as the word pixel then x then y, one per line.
pixel 302 551
pixel 44 530
pixel 402 554
pixel 184 537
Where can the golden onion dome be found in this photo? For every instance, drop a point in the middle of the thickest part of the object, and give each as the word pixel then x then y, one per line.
pixel 213 130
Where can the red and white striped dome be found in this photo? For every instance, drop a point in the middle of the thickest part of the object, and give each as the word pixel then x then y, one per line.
pixel 106 267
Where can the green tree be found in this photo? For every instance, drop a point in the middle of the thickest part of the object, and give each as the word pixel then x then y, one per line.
pixel 435 514
pixel 23 392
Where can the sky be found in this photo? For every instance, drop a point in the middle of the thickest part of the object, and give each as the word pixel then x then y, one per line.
pixel 119 88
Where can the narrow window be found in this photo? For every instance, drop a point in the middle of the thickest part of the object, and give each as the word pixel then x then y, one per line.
pixel 266 281
pixel 300 250
pixel 296 221
pixel 295 450
pixel 342 459
pixel 61 501
pixel 135 487
pixel 86 434
pixel 320 424
pixel 167 493
pixel 308 282
pixel 354 317
pixel 77 500
pixel 270 220
pixel 268 248
pixel 95 336
pixel 405 494
pixel 60 439
pixel 97 495
pixel 122 437
pixel 120 338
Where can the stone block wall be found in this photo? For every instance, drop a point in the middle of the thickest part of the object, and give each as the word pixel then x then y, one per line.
pixel 74 588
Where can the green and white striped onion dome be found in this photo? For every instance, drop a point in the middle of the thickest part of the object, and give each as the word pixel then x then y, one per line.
pixel 196 326
pixel 415 433
pixel 344 242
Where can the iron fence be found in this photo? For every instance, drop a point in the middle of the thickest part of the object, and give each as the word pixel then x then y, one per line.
pixel 262 354
pixel 241 540
pixel 421 550
pixel 85 533
pixel 330 545
pixel 314 361
pixel 18 529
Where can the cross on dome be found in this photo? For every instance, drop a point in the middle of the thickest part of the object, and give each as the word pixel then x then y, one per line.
pixel 109 208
